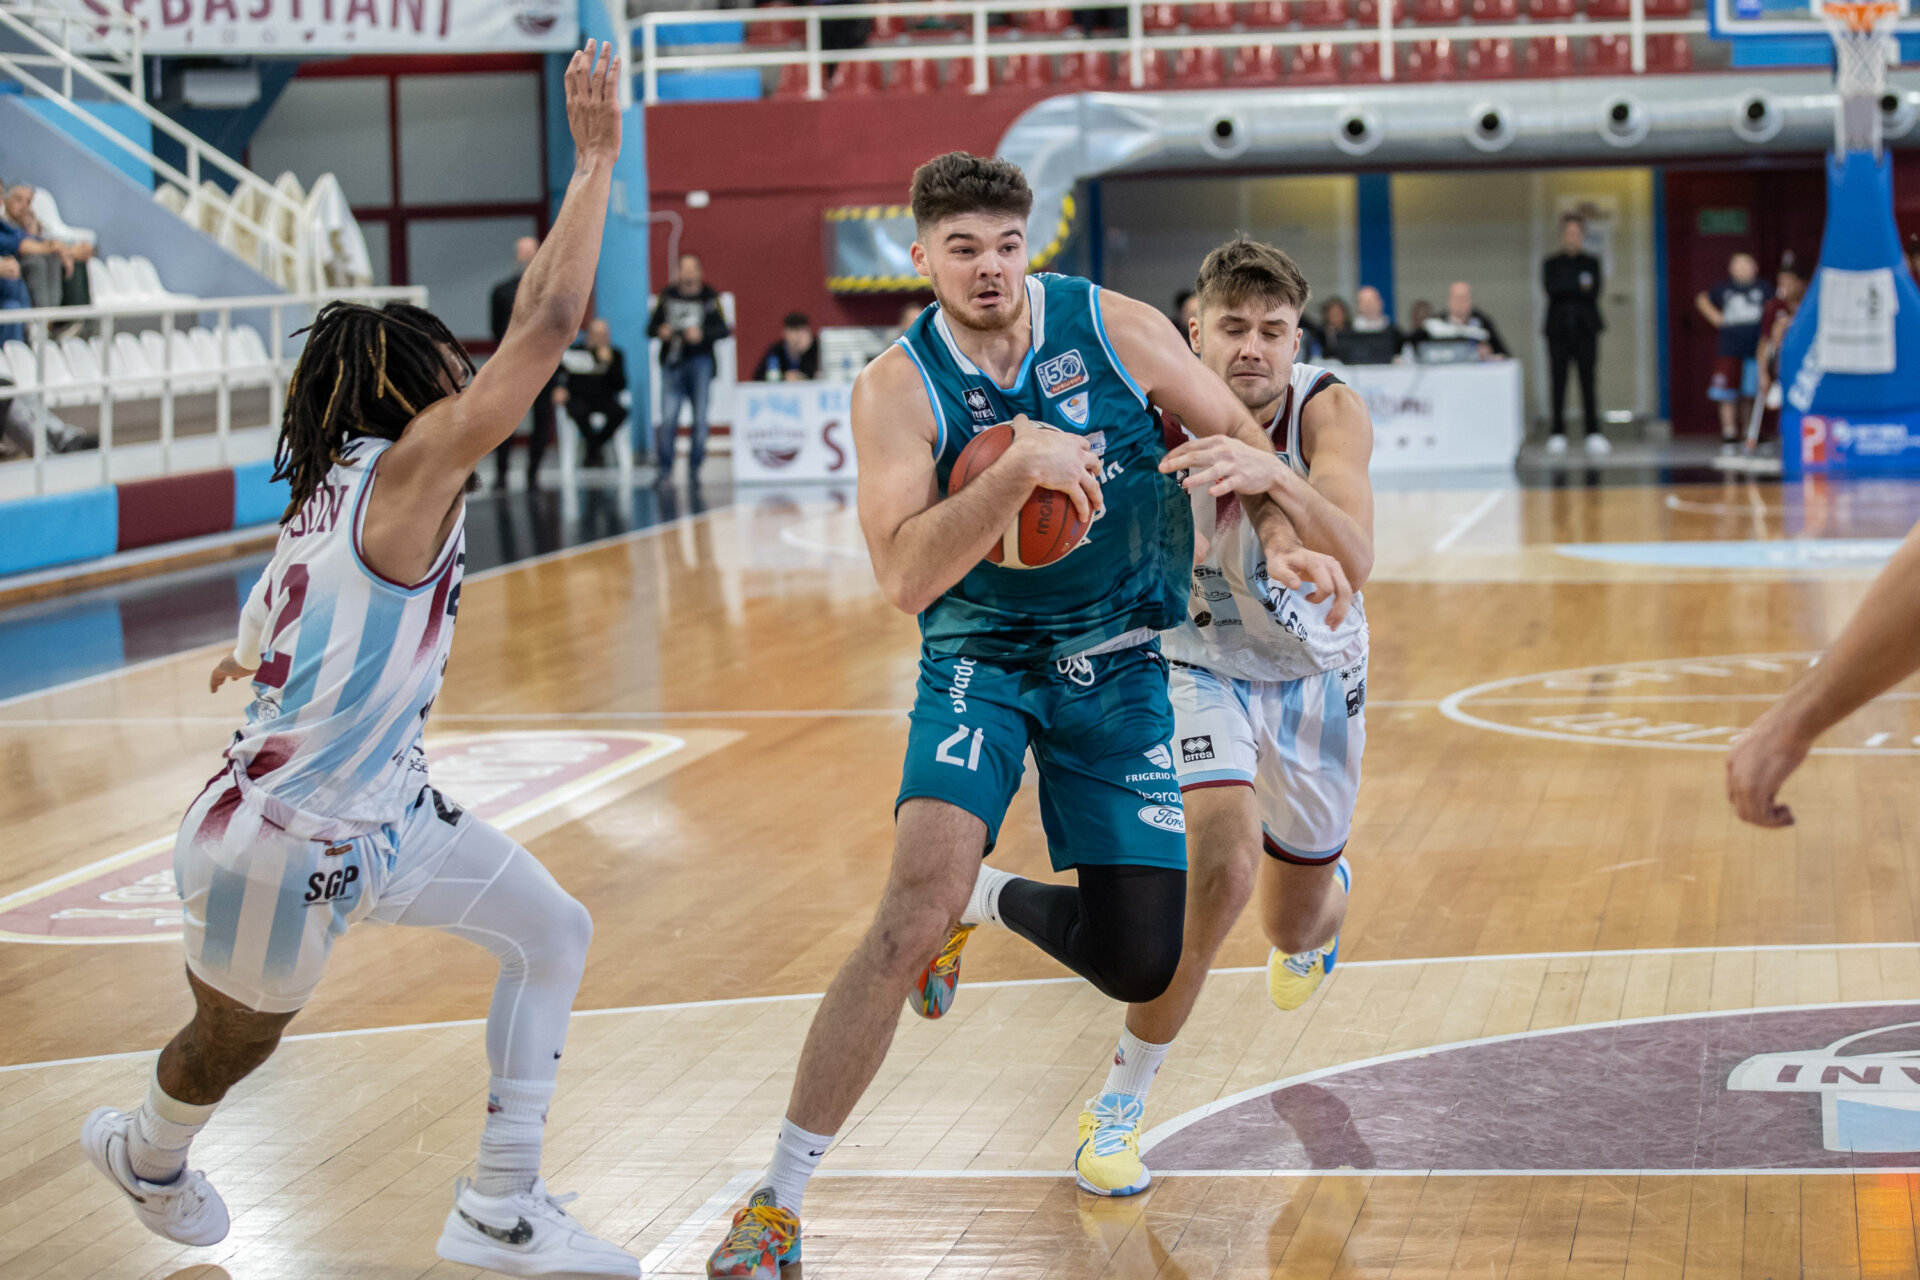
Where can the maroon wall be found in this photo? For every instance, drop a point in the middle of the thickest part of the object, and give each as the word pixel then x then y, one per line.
pixel 771 169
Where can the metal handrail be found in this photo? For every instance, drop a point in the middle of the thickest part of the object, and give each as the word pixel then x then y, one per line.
pixel 276 304
pixel 199 154
pixel 977 48
pixel 97 30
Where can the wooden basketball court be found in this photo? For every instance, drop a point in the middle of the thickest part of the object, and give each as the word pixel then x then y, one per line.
pixel 1585 1024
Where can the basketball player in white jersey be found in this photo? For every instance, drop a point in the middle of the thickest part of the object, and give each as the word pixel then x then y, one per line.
pixel 322 814
pixel 1268 697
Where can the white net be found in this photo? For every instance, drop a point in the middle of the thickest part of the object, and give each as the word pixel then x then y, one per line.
pixel 1864 46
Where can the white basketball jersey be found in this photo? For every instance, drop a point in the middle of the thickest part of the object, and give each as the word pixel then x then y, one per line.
pixel 350 665
pixel 1240 623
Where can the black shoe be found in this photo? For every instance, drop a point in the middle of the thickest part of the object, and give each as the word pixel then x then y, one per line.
pixel 77 442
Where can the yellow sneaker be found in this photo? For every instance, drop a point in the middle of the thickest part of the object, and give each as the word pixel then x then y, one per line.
pixel 1108 1161
pixel 1292 980
pixel 932 993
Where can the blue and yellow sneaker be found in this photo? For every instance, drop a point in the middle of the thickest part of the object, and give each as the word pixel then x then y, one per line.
pixel 932 993
pixel 764 1238
pixel 1108 1161
pixel 1292 980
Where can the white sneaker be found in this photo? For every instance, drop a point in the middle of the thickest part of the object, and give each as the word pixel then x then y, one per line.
pixel 1556 443
pixel 187 1210
pixel 527 1234
pixel 1598 445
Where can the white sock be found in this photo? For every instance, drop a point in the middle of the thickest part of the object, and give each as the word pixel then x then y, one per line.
pixel 510 1144
pixel 983 907
pixel 1135 1064
pixel 163 1129
pixel 796 1154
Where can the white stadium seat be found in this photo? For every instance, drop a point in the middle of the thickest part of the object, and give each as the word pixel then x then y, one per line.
pixel 134 377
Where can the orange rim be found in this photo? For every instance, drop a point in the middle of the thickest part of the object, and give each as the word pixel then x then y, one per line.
pixel 1859 16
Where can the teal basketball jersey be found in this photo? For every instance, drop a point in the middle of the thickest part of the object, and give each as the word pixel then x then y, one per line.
pixel 1130 577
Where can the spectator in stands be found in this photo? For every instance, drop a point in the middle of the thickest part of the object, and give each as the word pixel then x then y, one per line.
pixel 909 312
pixel 1464 321
pixel 1417 317
pixel 1372 337
pixel 41 264
pixel 688 321
pixel 501 306
pixel 1186 305
pixel 18 414
pixel 1336 319
pixel 13 297
pixel 1775 319
pixel 1571 279
pixel 592 376
pixel 64 274
pixel 1734 307
pixel 795 357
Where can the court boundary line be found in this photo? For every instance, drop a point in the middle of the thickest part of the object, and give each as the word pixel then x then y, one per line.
pixel 715 1205
pixel 1463 523
pixel 985 1175
pixel 995 984
pixel 1186 1120
pixel 483 575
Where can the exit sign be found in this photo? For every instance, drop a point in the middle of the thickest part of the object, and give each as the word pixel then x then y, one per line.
pixel 1723 222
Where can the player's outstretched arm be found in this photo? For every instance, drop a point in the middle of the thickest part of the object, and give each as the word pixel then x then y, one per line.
pixel 1879 647
pixel 433 458
pixel 920 543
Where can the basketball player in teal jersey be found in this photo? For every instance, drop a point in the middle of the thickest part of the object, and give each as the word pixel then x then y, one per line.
pixel 1062 659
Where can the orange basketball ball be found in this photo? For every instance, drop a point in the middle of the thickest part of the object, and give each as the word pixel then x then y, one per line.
pixel 1048 526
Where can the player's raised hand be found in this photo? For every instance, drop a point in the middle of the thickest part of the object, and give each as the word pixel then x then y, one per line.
pixel 1223 465
pixel 593 102
pixel 229 669
pixel 1059 460
pixel 1296 567
pixel 1759 764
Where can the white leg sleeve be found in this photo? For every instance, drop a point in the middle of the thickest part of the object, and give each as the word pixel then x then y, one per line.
pixel 491 891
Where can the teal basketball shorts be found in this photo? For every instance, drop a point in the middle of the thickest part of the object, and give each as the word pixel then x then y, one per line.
pixel 1101 731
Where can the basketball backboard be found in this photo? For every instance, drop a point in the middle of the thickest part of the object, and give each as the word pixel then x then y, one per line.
pixel 1795 22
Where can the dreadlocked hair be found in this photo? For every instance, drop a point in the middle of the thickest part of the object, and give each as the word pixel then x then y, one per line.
pixel 366 371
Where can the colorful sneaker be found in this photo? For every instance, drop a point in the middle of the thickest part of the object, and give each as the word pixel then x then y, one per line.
pixel 526 1234
pixel 932 993
pixel 1108 1161
pixel 1292 980
pixel 764 1238
pixel 187 1210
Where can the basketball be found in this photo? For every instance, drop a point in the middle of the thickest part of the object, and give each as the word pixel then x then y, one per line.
pixel 1048 526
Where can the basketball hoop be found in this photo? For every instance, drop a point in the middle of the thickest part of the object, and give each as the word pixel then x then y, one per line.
pixel 1864 46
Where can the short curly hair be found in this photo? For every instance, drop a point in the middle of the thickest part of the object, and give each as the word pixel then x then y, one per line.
pixel 959 182
pixel 1248 270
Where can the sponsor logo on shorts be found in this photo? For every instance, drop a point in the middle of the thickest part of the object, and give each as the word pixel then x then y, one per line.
pixel 1356 699
pixel 978 405
pixel 1164 817
pixel 1203 619
pixel 1161 756
pixel 1061 374
pixel 957 688
pixel 1198 747
pixel 505 778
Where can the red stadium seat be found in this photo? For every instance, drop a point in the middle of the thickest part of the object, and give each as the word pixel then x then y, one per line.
pixel 1669 8
pixel 1363 63
pixel 1669 53
pixel 792 82
pixel 1367 13
pixel 1610 56
pixel 887 27
pixel 1607 10
pixel 1550 56
pixel 1322 13
pixel 918 75
pixel 1267 15
pixel 1200 68
pixel 1314 64
pixel 1494 10
pixel 1257 65
pixel 1437 12
pixel 1044 21
pixel 1160 17
pixel 1086 71
pixel 1211 17
pixel 1490 60
pixel 1153 69
pixel 1550 10
pixel 776 34
pixel 960 76
pixel 857 79
pixel 1027 70
pixel 1430 60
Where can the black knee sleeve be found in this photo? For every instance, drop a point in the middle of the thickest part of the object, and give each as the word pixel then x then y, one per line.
pixel 1120 928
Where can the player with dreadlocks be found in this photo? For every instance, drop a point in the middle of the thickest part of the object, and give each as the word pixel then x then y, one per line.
pixel 322 814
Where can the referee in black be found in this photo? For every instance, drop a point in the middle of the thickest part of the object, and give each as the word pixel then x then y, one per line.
pixel 1572 281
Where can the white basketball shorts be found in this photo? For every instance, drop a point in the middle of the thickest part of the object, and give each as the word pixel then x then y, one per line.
pixel 1297 743
pixel 263 906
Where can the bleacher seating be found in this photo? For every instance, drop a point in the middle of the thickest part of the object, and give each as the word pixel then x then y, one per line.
pixel 61 369
pixel 1429 60
pixel 1027 70
pixel 1550 56
pixel 1263 15
pixel 1257 65
pixel 1210 17
pixel 1086 71
pixel 1322 13
pixel 1491 60
pixel 857 79
pixel 1313 64
pixel 1200 69
pixel 920 75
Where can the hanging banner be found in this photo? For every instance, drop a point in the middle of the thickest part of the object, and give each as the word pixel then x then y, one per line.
pixel 302 27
